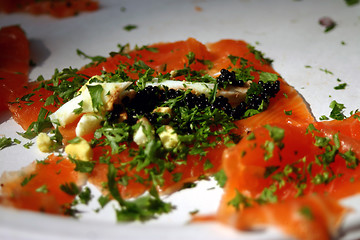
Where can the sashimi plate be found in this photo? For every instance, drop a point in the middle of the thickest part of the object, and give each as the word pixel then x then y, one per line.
pixel 310 59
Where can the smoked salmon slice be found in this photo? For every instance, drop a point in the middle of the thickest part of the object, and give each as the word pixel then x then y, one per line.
pixel 14 63
pixel 287 163
pixel 310 217
pixel 349 126
pixel 55 8
pixel 29 103
pixel 48 186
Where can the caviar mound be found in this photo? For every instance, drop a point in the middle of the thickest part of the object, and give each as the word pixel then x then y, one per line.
pixel 14 64
pixel 57 8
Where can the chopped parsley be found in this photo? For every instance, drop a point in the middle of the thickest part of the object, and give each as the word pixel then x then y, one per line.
pixel 350 159
pixel 341 86
pixel 28 144
pixel 288 112
pixel 83 166
pixel 221 178
pixel 307 212
pixel 268 77
pixel 147 48
pixel 142 208
pixel 75 140
pixel 323 117
pixel 194 212
pixel 276 133
pixel 337 111
pixel 240 200
pixel 70 188
pixel 39 126
pixel 27 179
pixel 268 147
pixel 80 109
pixel 130 27
pixel 83 196
pixel 328 23
pixel 103 200
pixel 7 142
pixel 208 165
pixel 270 170
pixel 352 2
pixel 326 71
pixel 96 96
pixel 259 55
pixel 251 136
pixel 177 176
pixel 42 189
pixel 233 59
pixel 95 60
pixel 267 195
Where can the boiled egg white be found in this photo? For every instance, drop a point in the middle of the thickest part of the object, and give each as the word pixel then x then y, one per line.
pixel 82 103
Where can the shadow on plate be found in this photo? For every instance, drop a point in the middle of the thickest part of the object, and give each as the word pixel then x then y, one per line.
pixel 38 51
pixel 351 230
pixel 4 116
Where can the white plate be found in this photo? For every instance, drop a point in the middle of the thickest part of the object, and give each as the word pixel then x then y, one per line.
pixel 285 30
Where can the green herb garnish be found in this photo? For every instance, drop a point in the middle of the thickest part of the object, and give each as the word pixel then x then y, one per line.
pixel 27 179
pixel 340 86
pixel 337 110
pixel 70 188
pixel 130 27
pixel 7 142
pixel 42 189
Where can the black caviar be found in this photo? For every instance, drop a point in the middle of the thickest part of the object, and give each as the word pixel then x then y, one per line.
pixel 148 99
pixel 228 78
pixel 267 90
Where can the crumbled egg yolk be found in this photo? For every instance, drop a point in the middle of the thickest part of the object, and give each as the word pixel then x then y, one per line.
pixel 168 137
pixel 80 150
pixel 165 110
pixel 44 142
